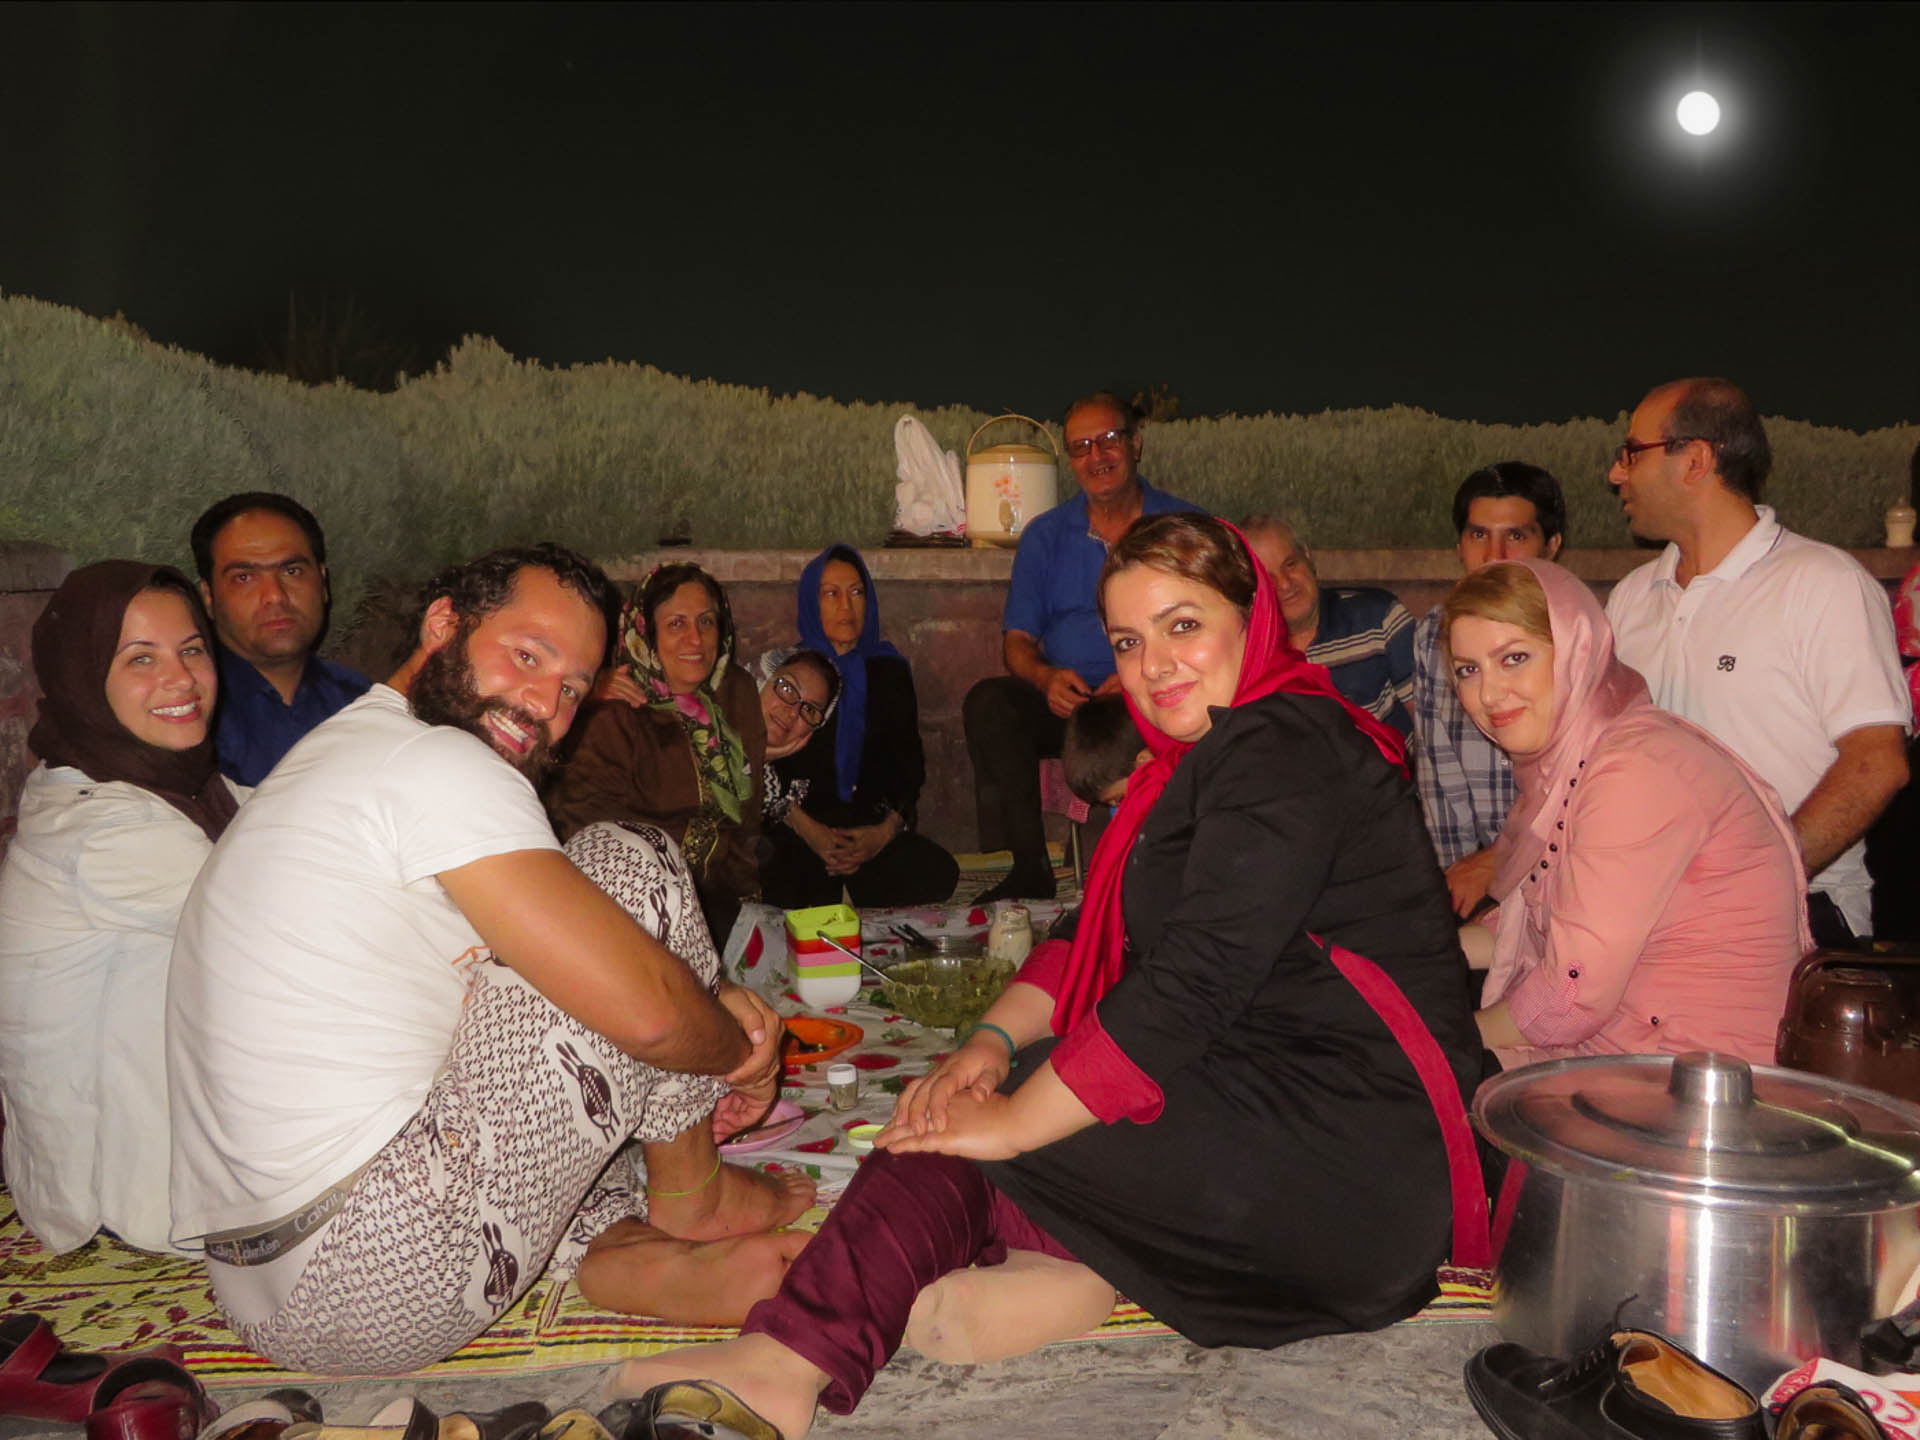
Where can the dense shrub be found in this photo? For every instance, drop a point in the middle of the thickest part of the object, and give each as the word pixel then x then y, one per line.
pixel 111 444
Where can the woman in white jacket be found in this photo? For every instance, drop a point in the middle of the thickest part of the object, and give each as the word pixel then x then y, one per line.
pixel 114 826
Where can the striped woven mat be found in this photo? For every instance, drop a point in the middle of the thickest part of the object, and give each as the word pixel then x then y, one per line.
pixel 107 1297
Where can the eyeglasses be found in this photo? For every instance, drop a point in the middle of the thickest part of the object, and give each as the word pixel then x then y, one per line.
pixel 789 692
pixel 1108 441
pixel 1623 457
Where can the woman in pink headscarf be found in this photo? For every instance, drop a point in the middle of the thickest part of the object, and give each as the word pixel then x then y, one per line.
pixel 1650 890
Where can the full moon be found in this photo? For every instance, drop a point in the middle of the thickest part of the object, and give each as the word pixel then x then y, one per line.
pixel 1698 112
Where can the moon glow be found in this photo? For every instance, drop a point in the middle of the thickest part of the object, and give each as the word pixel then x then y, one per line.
pixel 1697 112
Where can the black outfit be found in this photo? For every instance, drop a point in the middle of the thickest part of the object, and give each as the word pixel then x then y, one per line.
pixel 1010 730
pixel 1295 1183
pixel 912 870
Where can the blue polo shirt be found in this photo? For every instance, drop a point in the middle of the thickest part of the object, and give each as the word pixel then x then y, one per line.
pixel 256 727
pixel 1055 571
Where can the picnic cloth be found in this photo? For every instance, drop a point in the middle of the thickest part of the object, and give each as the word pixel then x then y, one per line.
pixel 106 1296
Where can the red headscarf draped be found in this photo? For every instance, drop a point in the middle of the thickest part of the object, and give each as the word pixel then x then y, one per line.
pixel 1270 663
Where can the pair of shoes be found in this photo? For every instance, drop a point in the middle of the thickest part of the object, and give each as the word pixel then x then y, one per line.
pixel 1634 1385
pixel 42 1380
pixel 687 1410
pixel 149 1399
pixel 1827 1411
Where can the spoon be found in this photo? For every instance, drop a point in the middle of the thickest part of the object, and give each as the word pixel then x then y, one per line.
pixel 871 969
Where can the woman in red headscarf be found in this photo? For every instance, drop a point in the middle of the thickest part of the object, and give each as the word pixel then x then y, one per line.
pixel 1208 1098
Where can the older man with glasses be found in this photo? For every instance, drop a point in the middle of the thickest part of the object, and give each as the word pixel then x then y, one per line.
pixel 1780 646
pixel 1052 640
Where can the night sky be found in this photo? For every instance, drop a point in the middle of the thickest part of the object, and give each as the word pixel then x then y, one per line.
pixel 1486 211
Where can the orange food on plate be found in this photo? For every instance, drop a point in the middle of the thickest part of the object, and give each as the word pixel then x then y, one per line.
pixel 818 1039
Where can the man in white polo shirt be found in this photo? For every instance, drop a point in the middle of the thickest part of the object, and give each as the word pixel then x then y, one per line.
pixel 408 1037
pixel 1780 646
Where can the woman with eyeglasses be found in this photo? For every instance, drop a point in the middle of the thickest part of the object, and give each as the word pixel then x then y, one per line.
pixel 115 822
pixel 856 782
pixel 674 738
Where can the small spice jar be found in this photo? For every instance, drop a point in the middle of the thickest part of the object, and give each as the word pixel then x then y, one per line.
pixel 1010 936
pixel 843 1087
pixel 1900 521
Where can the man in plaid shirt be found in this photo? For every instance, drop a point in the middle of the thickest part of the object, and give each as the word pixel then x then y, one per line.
pixel 1509 511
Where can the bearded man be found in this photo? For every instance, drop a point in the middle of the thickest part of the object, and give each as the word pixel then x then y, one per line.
pixel 409 1037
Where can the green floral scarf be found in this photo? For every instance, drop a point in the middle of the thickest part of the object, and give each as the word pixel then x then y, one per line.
pixel 719 759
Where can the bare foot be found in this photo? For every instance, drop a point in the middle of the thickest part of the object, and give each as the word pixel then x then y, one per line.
pixel 777 1383
pixel 634 1269
pixel 739 1201
pixel 993 1312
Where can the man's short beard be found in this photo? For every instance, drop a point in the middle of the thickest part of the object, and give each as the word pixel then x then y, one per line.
pixel 444 692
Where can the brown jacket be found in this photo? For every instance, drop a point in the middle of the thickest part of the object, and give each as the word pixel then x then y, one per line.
pixel 633 764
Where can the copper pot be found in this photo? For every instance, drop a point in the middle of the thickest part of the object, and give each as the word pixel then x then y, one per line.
pixel 1856 1017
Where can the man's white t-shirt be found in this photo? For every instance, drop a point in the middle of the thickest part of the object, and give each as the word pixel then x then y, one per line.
pixel 320 968
pixel 1779 650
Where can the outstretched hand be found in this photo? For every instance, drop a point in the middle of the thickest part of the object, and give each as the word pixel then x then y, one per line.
pixel 975 1069
pixel 975 1129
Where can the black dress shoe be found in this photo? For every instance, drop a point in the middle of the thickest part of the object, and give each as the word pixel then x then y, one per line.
pixel 1827 1411
pixel 687 1410
pixel 1634 1385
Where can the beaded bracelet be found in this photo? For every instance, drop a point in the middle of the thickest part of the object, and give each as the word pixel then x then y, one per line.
pixel 1012 1049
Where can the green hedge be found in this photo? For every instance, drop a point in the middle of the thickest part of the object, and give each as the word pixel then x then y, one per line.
pixel 110 444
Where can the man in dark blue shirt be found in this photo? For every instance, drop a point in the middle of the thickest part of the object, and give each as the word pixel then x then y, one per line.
pixel 263 573
pixel 1052 640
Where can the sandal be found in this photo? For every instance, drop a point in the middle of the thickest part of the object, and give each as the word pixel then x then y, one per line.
pixel 402 1419
pixel 687 1410
pixel 149 1399
pixel 513 1422
pixel 40 1380
pixel 265 1418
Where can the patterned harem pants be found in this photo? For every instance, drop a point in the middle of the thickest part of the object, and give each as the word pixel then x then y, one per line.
pixel 513 1162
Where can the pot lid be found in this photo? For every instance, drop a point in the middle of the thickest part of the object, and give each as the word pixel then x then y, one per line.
pixel 1011 454
pixel 1711 1129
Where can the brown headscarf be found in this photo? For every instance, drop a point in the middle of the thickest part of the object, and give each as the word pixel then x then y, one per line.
pixel 73 646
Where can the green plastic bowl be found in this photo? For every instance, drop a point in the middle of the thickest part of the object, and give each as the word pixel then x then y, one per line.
pixel 948 991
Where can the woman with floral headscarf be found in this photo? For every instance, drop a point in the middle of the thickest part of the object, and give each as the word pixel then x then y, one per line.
pixel 677 741
pixel 1651 895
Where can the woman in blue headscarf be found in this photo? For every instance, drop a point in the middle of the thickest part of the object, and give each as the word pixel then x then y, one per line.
pixel 853 788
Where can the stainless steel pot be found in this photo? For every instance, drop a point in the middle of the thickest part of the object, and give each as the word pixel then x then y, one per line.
pixel 1759 1217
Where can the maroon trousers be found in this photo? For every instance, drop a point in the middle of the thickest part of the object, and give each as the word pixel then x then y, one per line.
pixel 904 1221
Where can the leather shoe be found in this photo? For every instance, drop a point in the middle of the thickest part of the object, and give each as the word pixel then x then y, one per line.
pixel 1634 1385
pixel 1827 1411
pixel 687 1410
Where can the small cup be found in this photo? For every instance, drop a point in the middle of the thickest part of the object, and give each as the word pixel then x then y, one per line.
pixel 860 1139
pixel 843 1086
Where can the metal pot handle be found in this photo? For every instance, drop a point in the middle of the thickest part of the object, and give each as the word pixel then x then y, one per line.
pixel 1011 416
pixel 1898 957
